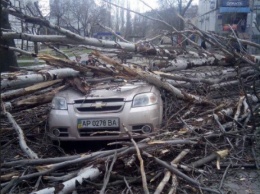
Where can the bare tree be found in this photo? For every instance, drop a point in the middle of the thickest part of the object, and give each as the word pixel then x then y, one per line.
pixel 78 16
pixel 140 26
pixel 122 16
pixel 176 6
pixel 176 10
pixel 58 9
pixel 128 30
pixel 89 17
pixel 180 5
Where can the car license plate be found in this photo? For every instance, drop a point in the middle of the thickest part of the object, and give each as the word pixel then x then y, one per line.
pixel 98 123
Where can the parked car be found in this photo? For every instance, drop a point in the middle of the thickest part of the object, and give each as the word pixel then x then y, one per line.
pixel 100 115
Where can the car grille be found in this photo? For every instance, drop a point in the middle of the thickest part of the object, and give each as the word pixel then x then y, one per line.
pixel 80 101
pixel 99 105
pixel 98 132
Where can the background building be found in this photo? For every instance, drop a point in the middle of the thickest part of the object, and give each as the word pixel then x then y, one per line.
pixel 220 16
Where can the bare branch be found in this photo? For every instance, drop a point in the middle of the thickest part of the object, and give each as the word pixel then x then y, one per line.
pixel 146 191
pixel 107 173
pixel 27 150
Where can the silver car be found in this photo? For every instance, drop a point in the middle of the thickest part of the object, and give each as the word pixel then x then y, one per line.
pixel 101 114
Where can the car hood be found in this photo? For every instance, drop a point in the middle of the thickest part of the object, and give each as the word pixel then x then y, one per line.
pixel 105 91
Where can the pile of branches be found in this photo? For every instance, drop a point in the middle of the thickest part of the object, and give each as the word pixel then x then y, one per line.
pixel 211 114
pixel 211 119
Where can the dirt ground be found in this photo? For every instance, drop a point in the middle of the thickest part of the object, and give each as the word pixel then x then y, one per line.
pixel 241 181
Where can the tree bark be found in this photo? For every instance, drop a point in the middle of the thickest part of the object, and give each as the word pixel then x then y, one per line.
pixel 25 80
pixel 70 185
pixel 37 100
pixel 28 90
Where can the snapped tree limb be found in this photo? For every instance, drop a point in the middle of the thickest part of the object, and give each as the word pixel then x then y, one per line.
pixel 90 173
pixel 27 150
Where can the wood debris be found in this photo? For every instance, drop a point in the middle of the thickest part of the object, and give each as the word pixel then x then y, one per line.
pixel 207 119
pixel 210 125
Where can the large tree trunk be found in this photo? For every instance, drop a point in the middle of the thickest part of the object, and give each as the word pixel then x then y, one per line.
pixel 7 57
pixel 30 79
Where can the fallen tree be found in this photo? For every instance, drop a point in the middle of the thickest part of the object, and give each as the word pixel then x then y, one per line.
pixel 211 108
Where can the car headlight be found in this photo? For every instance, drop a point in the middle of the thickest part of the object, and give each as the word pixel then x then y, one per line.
pixel 59 103
pixel 145 99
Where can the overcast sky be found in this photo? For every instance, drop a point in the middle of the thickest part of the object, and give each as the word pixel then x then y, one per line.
pixel 135 4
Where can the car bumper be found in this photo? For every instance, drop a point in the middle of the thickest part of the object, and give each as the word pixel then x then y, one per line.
pixel 133 119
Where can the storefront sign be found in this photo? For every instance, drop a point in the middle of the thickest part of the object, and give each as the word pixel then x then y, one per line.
pixel 235 3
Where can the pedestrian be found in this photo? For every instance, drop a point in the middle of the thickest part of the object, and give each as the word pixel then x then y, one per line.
pixel 78 58
pixel 203 44
pixel 91 61
pixel 243 25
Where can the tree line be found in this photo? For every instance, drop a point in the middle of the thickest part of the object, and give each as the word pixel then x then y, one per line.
pixel 85 17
